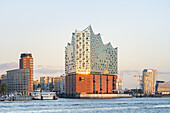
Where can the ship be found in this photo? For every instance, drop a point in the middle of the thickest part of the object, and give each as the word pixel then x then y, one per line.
pixel 43 96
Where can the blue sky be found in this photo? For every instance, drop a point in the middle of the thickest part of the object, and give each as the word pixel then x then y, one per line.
pixel 140 30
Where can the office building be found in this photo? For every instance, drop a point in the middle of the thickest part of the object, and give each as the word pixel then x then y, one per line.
pixel 163 88
pixel 56 84
pixel 59 84
pixel 46 83
pixel 90 65
pixel 18 81
pixel 149 81
pixel 157 84
pixel 21 80
pixel 26 61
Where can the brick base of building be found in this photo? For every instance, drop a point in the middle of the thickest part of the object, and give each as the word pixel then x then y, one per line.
pixel 90 84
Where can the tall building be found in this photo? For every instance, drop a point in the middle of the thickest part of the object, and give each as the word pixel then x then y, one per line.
pixel 21 80
pixel 149 81
pixel 18 81
pixel 62 84
pixel 90 65
pixel 46 83
pixel 26 61
pixel 57 84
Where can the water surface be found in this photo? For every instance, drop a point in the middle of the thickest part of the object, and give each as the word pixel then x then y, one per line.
pixel 121 105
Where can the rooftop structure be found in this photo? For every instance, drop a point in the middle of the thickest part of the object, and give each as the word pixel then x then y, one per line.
pixel 26 55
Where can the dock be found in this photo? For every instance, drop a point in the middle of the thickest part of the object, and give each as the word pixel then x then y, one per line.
pixel 17 98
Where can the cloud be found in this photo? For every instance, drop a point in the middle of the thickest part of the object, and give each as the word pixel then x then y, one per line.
pixel 163 72
pixel 40 66
pixel 129 72
pixel 8 66
pixel 47 70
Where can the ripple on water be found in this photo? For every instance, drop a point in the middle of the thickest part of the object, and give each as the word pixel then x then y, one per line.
pixel 129 105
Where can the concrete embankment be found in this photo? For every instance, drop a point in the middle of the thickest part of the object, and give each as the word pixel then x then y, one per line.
pixel 145 96
pixel 98 96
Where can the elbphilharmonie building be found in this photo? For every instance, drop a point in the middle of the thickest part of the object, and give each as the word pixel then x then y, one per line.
pixel 90 65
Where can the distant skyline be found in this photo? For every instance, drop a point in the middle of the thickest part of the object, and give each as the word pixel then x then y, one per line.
pixel 140 30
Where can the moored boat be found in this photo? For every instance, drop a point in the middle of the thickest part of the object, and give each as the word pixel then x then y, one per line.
pixel 44 95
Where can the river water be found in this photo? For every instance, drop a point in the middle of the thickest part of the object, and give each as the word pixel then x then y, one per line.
pixel 120 105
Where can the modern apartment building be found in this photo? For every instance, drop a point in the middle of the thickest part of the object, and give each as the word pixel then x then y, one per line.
pixel 46 83
pixel 149 81
pixel 56 84
pixel 18 81
pixel 26 61
pixel 90 65
pixel 59 84
pixel 21 80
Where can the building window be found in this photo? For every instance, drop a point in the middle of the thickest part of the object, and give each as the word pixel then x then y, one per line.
pixel 83 34
pixel 81 78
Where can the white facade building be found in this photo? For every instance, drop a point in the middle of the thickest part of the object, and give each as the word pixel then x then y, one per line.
pixel 87 54
pixel 149 81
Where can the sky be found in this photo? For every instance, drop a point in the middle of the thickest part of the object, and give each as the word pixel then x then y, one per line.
pixel 139 28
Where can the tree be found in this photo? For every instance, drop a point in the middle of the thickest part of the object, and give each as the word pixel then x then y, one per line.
pixel 3 88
